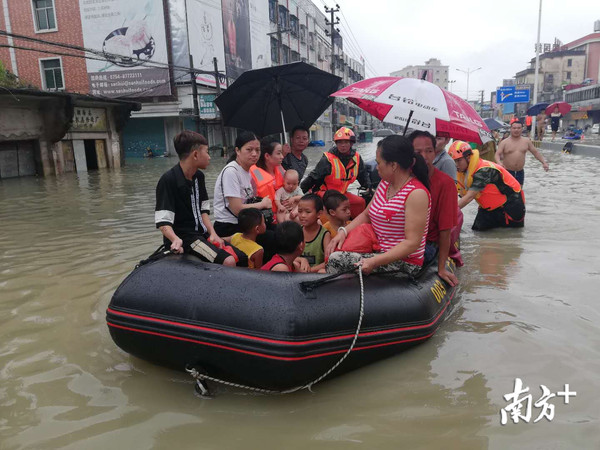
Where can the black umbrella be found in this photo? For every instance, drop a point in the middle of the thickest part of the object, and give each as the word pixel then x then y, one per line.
pixel 494 124
pixel 537 108
pixel 265 100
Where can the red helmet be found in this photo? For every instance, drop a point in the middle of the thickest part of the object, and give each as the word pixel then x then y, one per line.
pixel 344 134
pixel 458 149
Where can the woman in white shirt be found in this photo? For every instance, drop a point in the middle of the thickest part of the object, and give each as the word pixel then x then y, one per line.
pixel 234 187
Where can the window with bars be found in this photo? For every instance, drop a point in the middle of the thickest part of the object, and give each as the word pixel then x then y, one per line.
pixel 285 54
pixel 274 51
pixel 283 17
pixel 294 25
pixel 303 34
pixel 52 76
pixel 273 11
pixel 44 15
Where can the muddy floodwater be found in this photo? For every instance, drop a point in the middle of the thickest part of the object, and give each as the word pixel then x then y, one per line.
pixel 527 307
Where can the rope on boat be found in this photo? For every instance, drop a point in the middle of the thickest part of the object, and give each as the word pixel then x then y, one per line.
pixel 200 377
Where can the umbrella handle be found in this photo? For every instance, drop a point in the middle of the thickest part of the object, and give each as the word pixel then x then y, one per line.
pixel 285 138
pixel 407 122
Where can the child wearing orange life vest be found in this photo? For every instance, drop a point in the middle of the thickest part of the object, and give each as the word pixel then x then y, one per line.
pixel 337 211
pixel 286 208
pixel 252 223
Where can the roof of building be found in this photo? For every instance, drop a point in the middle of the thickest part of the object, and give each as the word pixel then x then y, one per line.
pixel 32 92
pixel 593 37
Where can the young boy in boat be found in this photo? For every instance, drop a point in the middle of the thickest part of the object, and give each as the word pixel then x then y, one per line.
pixel 316 237
pixel 337 211
pixel 289 239
pixel 251 223
pixel 286 209
pixel 182 206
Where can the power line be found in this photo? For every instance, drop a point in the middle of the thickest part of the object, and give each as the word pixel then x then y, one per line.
pixel 71 55
pixel 362 53
pixel 101 54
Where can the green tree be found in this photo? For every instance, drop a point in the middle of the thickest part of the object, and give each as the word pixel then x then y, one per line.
pixel 9 79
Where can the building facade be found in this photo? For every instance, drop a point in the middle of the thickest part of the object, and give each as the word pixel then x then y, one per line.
pixel 141 52
pixel 437 73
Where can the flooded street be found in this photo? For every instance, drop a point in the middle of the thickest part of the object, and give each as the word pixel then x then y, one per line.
pixel 526 308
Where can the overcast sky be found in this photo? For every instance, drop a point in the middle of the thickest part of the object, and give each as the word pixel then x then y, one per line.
pixel 497 36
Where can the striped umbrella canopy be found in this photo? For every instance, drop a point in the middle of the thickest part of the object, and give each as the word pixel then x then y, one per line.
pixel 418 105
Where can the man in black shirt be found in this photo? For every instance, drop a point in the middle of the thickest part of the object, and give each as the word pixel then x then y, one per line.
pixel 182 205
pixel 296 159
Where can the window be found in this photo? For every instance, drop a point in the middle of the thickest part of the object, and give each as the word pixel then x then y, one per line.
pixel 295 56
pixel 274 51
pixel 303 34
pixel 568 75
pixel 43 15
pixel 311 40
pixel 569 62
pixel 294 25
pixel 283 17
pixel 273 11
pixel 52 76
pixel 285 54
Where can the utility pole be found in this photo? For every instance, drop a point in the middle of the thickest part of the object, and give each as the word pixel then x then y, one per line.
pixel 196 111
pixel 481 102
pixel 537 68
pixel 218 86
pixel 196 108
pixel 331 33
pixel 468 72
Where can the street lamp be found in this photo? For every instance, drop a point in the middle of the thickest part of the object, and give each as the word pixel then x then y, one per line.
pixel 468 72
pixel 450 82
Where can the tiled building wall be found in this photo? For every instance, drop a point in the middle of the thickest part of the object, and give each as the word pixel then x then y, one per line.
pixel 68 31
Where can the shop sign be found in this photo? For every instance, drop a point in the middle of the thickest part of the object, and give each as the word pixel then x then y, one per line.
pixel 208 109
pixel 89 119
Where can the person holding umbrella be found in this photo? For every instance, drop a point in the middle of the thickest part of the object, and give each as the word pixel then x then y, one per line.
pixel 293 156
pixel 555 117
pixel 498 193
pixel 339 168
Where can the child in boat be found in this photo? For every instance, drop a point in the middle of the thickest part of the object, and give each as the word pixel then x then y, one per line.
pixel 316 237
pixel 289 239
pixel 337 211
pixel 251 223
pixel 286 209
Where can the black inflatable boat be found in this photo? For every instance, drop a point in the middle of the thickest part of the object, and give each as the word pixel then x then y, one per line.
pixel 266 329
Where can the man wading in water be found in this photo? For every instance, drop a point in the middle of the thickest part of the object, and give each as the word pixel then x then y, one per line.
pixel 512 151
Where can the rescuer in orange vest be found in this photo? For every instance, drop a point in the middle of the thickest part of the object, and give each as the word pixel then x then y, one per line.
pixel 499 195
pixel 338 168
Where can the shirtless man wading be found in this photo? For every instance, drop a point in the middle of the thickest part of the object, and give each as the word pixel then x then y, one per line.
pixel 512 151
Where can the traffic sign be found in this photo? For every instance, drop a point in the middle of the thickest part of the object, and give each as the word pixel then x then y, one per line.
pixel 510 94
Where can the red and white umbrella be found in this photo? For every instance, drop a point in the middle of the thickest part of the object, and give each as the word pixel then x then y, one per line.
pixel 419 105
pixel 563 107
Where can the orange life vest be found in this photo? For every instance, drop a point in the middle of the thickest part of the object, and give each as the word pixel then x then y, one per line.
pixel 340 177
pixel 492 196
pixel 266 184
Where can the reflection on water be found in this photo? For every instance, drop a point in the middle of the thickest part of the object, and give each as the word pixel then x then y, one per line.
pixel 526 308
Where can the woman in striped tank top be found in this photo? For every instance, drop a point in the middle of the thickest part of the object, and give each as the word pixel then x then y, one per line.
pixel 398 214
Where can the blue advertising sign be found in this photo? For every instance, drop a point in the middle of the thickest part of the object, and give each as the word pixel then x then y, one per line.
pixel 510 94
